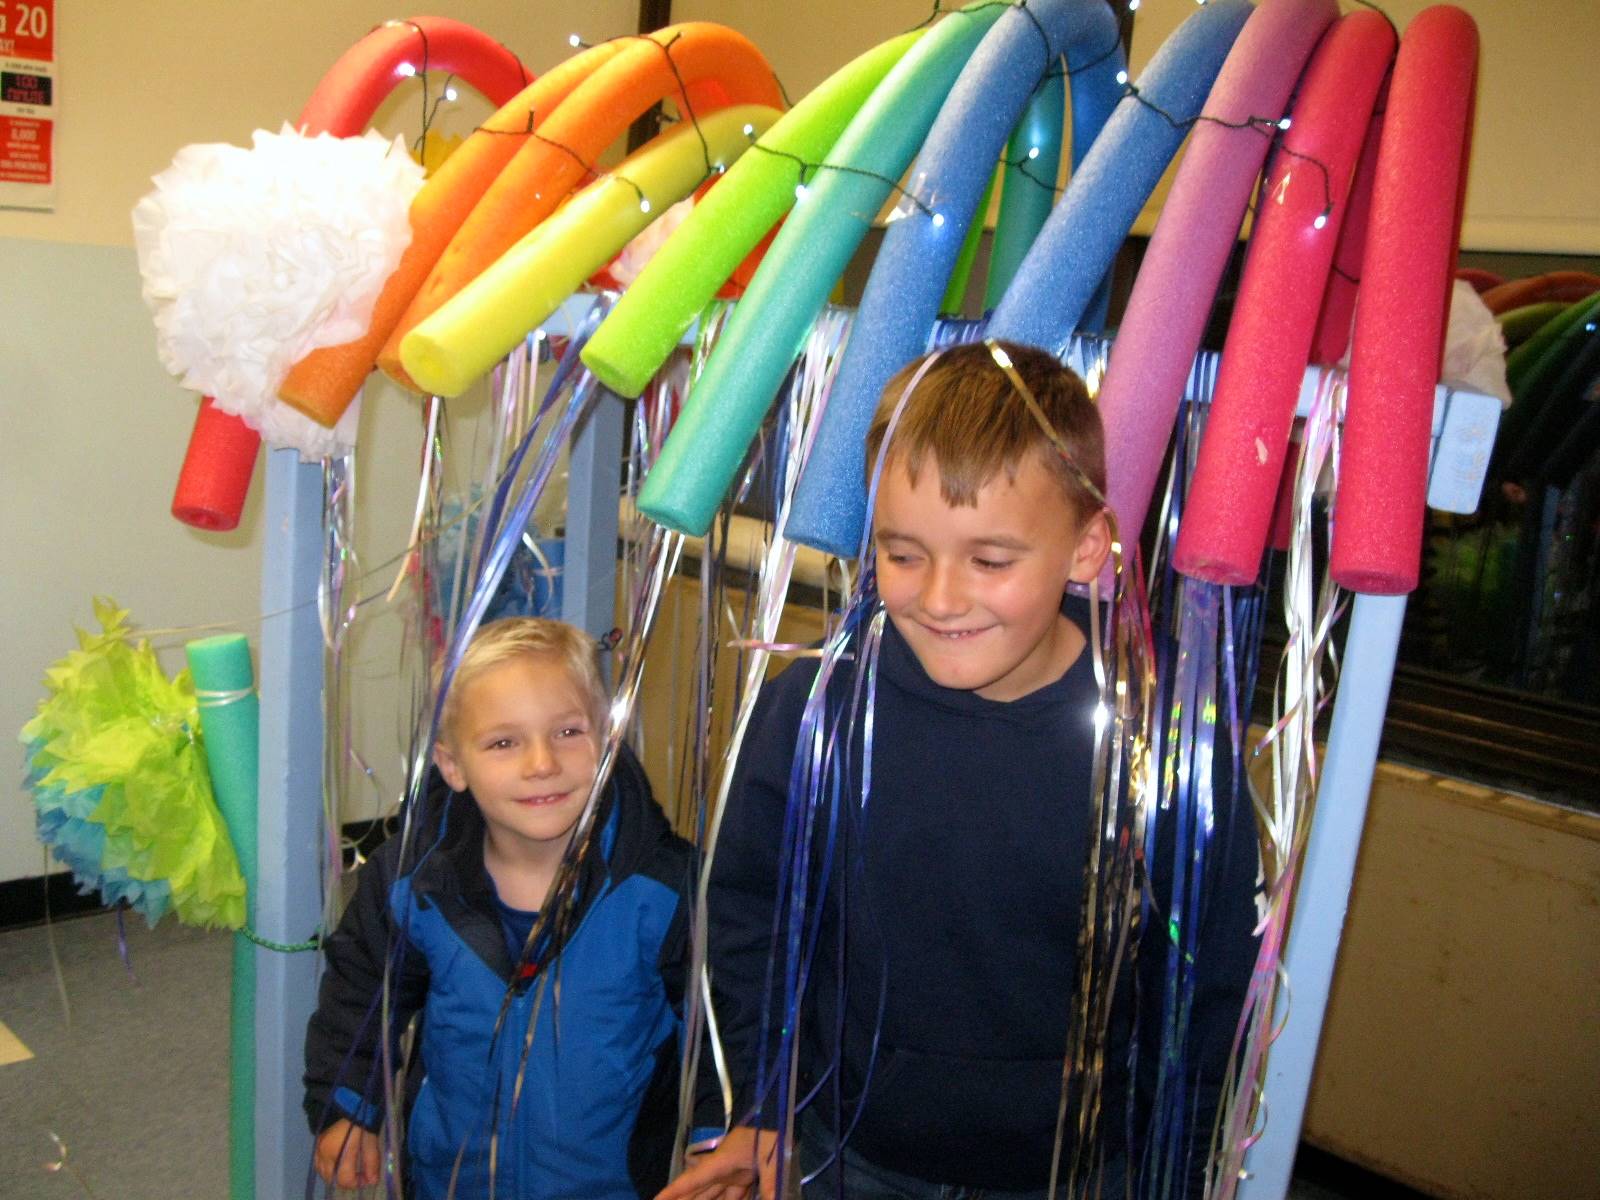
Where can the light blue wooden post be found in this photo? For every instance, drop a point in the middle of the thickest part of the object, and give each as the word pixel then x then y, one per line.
pixel 289 896
pixel 589 575
pixel 1324 895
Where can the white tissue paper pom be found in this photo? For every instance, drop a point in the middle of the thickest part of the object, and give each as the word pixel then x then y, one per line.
pixel 252 258
pixel 1474 347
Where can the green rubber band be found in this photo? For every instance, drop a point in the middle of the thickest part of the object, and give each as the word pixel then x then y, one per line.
pixel 251 935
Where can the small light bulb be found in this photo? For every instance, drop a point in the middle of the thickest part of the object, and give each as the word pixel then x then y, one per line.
pixel 938 220
pixel 450 93
pixel 1122 77
pixel 1321 222
pixel 749 131
pixel 644 205
pixel 1033 152
pixel 406 70
pixel 1283 123
pixel 1133 5
pixel 801 191
pixel 720 168
pixel 574 41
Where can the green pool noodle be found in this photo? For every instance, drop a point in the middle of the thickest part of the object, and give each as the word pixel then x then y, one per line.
pixel 1520 324
pixel 770 323
pixel 956 290
pixel 230 719
pixel 1028 193
pixel 1538 356
pixel 726 224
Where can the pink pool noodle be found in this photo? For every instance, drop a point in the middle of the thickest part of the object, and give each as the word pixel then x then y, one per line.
pixel 1344 281
pixel 1230 503
pixel 1156 344
pixel 1400 320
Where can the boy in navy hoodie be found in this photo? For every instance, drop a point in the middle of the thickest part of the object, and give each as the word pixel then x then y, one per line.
pixel 935 1024
pixel 518 748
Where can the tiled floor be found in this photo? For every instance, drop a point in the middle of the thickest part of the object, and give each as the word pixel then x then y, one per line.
pixel 136 1088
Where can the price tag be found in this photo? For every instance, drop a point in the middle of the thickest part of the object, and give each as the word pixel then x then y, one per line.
pixel 28 99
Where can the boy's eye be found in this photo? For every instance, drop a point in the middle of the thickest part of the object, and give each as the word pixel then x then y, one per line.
pixel 899 558
pixel 500 744
pixel 992 564
pixel 573 731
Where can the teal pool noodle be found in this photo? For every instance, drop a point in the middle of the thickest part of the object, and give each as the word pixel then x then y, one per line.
pixel 769 325
pixel 1046 301
pixel 230 719
pixel 1028 193
pixel 901 301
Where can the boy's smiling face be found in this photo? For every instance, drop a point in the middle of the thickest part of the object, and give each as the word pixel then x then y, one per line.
pixel 976 591
pixel 523 743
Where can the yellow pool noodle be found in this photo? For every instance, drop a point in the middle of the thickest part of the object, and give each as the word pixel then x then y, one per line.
pixel 456 345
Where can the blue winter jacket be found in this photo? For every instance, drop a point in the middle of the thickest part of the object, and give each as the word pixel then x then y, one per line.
pixel 598 1099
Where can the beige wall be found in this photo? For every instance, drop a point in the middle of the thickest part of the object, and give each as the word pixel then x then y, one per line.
pixel 92 430
pixel 1535 173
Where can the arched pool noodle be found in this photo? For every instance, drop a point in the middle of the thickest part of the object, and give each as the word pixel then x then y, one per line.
pixel 455 346
pixel 1027 193
pixel 1160 332
pixel 712 65
pixel 908 279
pixel 1400 318
pixel 215 477
pixel 1230 506
pixel 1332 339
pixel 660 305
pixel 768 326
pixel 1053 288
pixel 325 382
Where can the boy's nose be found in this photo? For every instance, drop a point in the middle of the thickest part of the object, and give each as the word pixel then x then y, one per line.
pixel 943 596
pixel 540 758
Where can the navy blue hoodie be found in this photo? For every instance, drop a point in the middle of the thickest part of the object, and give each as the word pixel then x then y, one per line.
pixel 961 887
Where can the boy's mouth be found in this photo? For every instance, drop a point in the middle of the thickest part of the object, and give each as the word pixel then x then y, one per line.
pixel 954 635
pixel 541 801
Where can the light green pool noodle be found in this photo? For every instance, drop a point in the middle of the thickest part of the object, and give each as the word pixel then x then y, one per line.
pixel 956 290
pixel 230 719
pixel 769 325
pixel 657 309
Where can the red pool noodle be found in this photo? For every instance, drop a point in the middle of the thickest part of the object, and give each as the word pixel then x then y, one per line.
pixel 1230 503
pixel 216 470
pixel 1405 282
pixel 221 458
pixel 1177 282
pixel 1332 338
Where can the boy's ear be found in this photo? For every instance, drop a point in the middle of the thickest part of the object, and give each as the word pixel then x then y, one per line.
pixel 1092 550
pixel 449 767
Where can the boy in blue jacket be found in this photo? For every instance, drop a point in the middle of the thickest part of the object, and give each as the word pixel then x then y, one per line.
pixel 518 748
pixel 934 1026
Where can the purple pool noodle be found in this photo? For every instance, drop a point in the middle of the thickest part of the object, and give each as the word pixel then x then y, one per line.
pixel 1172 296
pixel 908 280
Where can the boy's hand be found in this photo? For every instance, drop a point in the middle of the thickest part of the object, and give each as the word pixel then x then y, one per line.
pixel 349 1156
pixel 745 1158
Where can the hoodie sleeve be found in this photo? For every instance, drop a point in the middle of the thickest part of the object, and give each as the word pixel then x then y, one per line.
pixel 744 888
pixel 344 1061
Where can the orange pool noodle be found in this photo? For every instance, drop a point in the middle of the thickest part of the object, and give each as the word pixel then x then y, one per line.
pixel 718 66
pixel 324 382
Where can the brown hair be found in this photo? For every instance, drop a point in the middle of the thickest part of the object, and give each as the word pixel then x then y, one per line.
pixel 966 413
pixel 499 641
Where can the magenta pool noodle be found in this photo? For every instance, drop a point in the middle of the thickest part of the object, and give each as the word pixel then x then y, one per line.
pixel 1401 313
pixel 1028 192
pixel 725 225
pixel 1057 280
pixel 1332 338
pixel 1172 295
pixel 919 250
pixel 1230 505
pixel 769 325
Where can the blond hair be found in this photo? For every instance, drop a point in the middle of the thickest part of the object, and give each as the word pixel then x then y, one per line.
pixel 966 413
pixel 513 637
